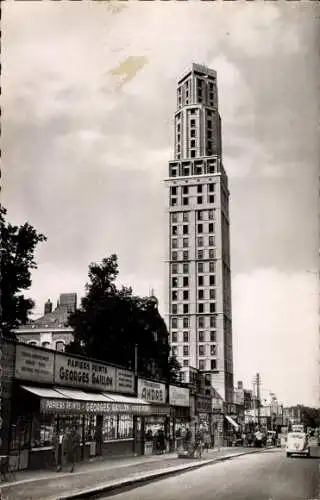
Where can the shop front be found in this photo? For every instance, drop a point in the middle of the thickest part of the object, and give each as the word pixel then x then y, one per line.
pixel 179 401
pixel 155 427
pixel 203 409
pixel 53 391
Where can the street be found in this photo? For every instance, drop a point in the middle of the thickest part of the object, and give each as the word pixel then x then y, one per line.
pixel 265 476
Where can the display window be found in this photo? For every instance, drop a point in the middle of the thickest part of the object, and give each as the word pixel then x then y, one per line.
pixel 42 433
pixel 117 427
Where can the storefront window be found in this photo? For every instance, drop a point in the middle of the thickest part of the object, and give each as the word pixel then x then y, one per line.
pixel 42 431
pixel 125 427
pixel 89 427
pixel 109 427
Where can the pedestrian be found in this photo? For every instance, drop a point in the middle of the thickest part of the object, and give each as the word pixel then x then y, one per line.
pixel 58 443
pixel 161 441
pixel 73 443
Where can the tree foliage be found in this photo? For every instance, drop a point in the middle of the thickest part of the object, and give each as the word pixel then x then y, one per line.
pixel 18 244
pixel 310 416
pixel 112 321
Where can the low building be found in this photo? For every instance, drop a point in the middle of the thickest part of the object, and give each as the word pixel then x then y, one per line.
pixel 50 330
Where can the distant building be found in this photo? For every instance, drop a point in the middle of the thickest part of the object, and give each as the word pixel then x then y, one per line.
pixel 51 330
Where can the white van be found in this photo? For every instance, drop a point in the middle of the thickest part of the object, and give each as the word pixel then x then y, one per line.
pixel 297 444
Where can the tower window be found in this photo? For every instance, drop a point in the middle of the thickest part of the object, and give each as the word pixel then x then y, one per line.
pixel 185 229
pixel 174 322
pixel 174 230
pixel 174 295
pixel 213 364
pixel 185 336
pixel 201 350
pixel 185 242
pixel 211 227
pixel 199 188
pixel 185 255
pixel 174 256
pixel 213 336
pixel 173 202
pixel 174 268
pixel 201 322
pixel 212 322
pixel 185 268
pixel 200 241
pixel 201 308
pixel 211 198
pixel 201 336
pixel 211 280
pixel 192 123
pixel 200 267
pixel 212 307
pixel 199 200
pixel 212 293
pixel 213 350
pixel 186 350
pixel 173 191
pixel 202 364
pixel 185 322
pixel 174 309
pixel 185 189
pixel 174 282
pixel 211 241
pixel 185 200
pixel 200 294
pixel 200 254
pixel 185 216
pixel 192 153
pixel 185 295
pixel 174 217
pixel 200 228
pixel 185 362
pixel 211 188
pixel 210 214
pixel 185 281
pixel 211 253
pixel 174 243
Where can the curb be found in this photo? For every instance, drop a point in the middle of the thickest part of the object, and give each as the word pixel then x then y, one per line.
pixel 127 484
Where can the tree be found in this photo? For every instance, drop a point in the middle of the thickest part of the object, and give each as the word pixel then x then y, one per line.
pixel 18 244
pixel 112 322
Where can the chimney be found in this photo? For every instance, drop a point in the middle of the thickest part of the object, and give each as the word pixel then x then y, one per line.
pixel 240 384
pixel 48 307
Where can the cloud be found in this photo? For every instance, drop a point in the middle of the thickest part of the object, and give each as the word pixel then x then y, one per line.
pixel 276 333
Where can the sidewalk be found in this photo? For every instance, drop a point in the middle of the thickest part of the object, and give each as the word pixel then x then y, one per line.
pixel 30 485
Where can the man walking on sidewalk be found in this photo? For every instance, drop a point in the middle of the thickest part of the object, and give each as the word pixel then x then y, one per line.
pixel 73 443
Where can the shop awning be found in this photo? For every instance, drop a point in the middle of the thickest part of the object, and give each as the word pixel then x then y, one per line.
pixel 119 398
pixel 232 422
pixel 80 395
pixel 43 392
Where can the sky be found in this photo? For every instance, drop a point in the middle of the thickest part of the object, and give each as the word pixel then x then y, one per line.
pixel 88 97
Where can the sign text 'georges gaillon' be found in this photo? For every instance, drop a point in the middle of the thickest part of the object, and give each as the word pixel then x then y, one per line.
pixel 76 372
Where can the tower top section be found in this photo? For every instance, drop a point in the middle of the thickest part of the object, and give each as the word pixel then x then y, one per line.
pixel 198 87
pixel 200 69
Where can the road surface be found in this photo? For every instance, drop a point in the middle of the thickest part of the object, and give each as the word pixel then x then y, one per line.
pixel 262 476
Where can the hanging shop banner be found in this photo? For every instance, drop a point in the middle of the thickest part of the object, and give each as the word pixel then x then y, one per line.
pixel 75 372
pixel 34 364
pixel 124 381
pixel 153 392
pixel 179 396
pixel 203 404
pixel 88 407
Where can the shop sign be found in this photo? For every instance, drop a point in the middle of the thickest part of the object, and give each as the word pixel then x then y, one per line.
pixel 124 381
pixel 153 392
pixel 87 407
pixel 203 404
pixel 75 372
pixel 34 364
pixel 179 396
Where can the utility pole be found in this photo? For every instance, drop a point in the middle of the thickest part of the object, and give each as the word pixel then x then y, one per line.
pixel 258 382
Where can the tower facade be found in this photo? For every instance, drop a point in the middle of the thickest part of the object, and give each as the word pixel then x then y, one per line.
pixel 198 277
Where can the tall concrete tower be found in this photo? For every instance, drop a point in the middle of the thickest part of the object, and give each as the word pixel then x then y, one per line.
pixel 198 295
